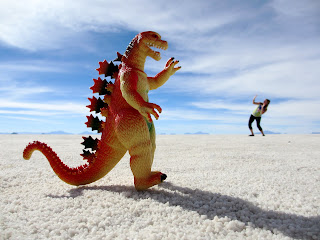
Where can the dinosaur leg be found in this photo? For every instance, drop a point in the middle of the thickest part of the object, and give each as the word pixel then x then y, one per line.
pixel 133 132
pixel 109 153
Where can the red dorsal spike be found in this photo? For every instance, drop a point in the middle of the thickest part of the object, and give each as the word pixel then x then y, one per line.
pixel 105 111
pixel 119 57
pixel 94 122
pixel 100 86
pixel 96 104
pixel 89 142
pixel 87 155
pixel 103 67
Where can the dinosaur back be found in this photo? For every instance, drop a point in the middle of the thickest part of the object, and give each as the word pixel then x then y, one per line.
pixel 104 88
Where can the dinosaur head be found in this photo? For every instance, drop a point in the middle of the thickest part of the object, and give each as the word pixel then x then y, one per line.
pixel 142 43
pixel 152 39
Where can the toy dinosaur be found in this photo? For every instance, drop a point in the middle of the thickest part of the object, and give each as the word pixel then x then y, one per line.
pixel 128 125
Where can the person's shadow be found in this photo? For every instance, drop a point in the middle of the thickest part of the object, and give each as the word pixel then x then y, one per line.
pixel 215 204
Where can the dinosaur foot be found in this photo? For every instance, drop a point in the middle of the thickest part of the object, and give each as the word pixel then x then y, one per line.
pixel 145 183
pixel 163 177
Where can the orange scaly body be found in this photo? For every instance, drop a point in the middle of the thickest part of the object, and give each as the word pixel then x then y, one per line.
pixel 128 125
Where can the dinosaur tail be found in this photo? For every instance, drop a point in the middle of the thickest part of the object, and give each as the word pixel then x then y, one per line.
pixel 102 160
pixel 81 175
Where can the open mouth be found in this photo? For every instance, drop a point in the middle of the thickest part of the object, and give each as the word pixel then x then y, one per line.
pixel 157 46
pixel 163 46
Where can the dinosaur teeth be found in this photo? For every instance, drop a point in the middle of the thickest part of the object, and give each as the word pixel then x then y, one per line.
pixel 156 45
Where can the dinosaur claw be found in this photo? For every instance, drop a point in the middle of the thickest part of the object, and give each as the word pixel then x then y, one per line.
pixel 163 177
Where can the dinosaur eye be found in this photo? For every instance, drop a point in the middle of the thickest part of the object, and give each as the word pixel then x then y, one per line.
pixel 155 36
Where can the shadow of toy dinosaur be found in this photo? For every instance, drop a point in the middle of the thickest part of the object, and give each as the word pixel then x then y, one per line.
pixel 215 204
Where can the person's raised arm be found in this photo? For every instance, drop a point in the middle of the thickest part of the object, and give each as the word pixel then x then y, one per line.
pixel 254 101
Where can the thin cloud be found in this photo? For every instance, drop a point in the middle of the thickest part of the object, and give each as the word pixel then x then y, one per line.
pixel 291 108
pixel 221 105
pixel 63 107
pixel 198 115
pixel 29 119
pixel 33 66
pixel 288 79
pixel 26 25
pixel 11 90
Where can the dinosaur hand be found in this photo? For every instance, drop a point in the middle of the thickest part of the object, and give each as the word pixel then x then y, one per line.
pixel 148 109
pixel 170 66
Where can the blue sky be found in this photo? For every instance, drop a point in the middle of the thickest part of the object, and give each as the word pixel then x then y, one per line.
pixel 229 51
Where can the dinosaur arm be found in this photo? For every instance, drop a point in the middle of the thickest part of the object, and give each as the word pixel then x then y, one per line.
pixel 128 86
pixel 163 76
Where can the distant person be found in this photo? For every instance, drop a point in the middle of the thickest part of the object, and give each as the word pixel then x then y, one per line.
pixel 257 113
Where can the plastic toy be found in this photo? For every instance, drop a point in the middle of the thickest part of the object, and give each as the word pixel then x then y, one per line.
pixel 128 125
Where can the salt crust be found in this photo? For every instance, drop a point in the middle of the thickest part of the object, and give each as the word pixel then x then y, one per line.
pixel 218 187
